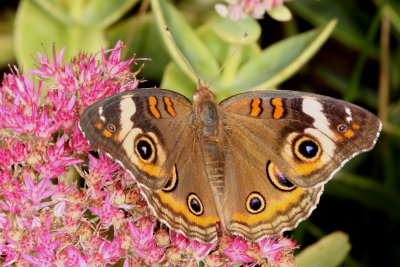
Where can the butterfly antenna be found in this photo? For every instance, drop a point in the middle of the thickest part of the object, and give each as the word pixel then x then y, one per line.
pixel 181 54
pixel 230 57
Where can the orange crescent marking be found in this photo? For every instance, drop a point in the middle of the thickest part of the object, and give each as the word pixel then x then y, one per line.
pixel 349 133
pixel 339 137
pixel 153 108
pixel 99 125
pixel 150 169
pixel 180 207
pixel 107 133
pixel 279 110
pixel 169 106
pixel 116 136
pixel 355 126
pixel 272 207
pixel 256 108
pixel 308 168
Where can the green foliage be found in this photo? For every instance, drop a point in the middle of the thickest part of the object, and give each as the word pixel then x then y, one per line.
pixel 329 251
pixel 364 198
pixel 251 68
pixel 77 25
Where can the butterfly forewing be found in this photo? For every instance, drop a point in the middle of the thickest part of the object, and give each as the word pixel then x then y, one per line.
pixel 139 129
pixel 308 136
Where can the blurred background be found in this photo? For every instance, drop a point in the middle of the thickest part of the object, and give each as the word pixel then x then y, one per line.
pixel 348 49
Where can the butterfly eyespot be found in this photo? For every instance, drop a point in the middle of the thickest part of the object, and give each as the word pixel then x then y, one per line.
pixel 341 128
pixel 111 127
pixel 145 148
pixel 194 204
pixel 172 181
pixel 306 149
pixel 255 203
pixel 277 178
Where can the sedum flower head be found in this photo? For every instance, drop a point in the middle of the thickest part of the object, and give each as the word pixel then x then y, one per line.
pixel 63 205
pixel 239 9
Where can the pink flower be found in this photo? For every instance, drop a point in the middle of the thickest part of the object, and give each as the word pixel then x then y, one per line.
pixel 56 158
pixel 71 256
pixel 65 111
pixel 101 169
pixel 237 251
pixel 44 249
pixel 111 252
pixel 179 240
pixel 239 9
pixel 141 237
pixel 48 69
pixel 58 201
pixel 152 254
pixel 20 108
pixel 36 192
pixel 9 254
pixel 107 213
pixel 274 248
pixel 144 243
pixel 77 142
pixel 200 250
pixel 13 151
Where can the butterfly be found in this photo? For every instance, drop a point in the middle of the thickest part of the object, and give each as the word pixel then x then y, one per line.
pixel 253 165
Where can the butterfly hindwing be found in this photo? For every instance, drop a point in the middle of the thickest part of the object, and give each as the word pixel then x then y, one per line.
pixel 308 136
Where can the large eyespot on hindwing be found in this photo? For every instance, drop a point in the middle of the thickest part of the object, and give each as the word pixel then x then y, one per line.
pixel 307 151
pixel 277 178
pixel 145 149
pixel 306 148
pixel 255 203
pixel 195 205
pixel 172 181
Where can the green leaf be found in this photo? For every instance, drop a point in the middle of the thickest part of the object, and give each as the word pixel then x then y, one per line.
pixel 7 55
pixel 104 13
pixel 95 12
pixel 232 31
pixel 280 13
pixel 175 81
pixel 281 60
pixel 139 35
pixel 36 30
pixel 7 50
pixel 392 11
pixel 222 49
pixel 190 45
pixel 330 251
pixel 352 20
pixel 77 25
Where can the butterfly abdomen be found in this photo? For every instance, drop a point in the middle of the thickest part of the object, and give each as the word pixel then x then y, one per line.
pixel 208 125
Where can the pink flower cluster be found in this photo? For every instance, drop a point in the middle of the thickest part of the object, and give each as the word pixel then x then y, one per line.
pixel 239 9
pixel 62 205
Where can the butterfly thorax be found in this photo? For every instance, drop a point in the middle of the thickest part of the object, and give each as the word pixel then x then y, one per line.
pixel 207 123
